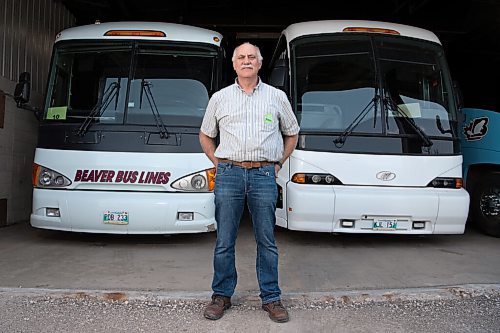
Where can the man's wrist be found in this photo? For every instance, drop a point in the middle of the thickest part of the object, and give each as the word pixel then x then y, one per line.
pixel 279 163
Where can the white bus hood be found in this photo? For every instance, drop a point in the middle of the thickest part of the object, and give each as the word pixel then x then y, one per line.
pixel 377 170
pixel 121 171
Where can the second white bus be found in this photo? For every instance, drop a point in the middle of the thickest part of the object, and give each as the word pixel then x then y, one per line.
pixel 378 149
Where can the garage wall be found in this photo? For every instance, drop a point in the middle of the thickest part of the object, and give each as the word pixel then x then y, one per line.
pixel 27 32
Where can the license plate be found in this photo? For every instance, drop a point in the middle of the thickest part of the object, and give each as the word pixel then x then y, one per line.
pixel 120 217
pixel 385 224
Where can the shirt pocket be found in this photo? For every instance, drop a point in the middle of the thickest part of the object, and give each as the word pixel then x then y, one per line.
pixel 269 119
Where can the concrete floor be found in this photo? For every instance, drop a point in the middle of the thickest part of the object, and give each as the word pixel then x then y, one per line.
pixel 309 262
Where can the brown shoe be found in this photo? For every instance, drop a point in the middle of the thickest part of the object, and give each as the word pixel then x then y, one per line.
pixel 215 310
pixel 277 311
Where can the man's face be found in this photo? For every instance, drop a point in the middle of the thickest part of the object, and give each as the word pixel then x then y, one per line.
pixel 246 63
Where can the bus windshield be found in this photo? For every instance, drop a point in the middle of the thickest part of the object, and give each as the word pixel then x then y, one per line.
pixel 130 83
pixel 375 87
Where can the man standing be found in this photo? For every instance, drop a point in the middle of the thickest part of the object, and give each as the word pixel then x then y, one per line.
pixel 258 131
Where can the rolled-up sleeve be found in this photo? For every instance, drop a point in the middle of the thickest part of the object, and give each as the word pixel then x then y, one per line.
pixel 209 125
pixel 288 122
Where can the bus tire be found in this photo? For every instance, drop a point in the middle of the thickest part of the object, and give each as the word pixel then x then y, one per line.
pixel 485 203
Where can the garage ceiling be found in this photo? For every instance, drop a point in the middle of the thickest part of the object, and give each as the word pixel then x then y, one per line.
pixel 469 29
pixel 453 21
pixel 446 16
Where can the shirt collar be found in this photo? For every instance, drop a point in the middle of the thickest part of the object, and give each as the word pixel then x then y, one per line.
pixel 259 81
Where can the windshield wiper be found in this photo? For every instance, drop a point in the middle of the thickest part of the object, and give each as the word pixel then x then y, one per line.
pixel 146 87
pixel 110 92
pixel 340 140
pixel 390 104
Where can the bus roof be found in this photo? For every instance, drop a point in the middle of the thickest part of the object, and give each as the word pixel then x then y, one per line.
pixel 172 32
pixel 333 26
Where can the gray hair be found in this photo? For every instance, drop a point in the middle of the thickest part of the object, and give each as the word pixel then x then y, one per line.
pixel 259 55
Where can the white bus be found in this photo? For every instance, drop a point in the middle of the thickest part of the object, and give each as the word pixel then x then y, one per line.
pixel 378 149
pixel 118 149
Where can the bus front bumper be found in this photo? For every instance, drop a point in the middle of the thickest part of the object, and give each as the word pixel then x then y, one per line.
pixel 370 209
pixel 123 212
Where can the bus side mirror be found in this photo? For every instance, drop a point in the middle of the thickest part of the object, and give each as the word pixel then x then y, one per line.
pixel 279 76
pixel 22 94
pixel 23 89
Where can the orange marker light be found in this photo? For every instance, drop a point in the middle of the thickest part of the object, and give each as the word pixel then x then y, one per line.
pixel 141 33
pixel 375 30
pixel 34 174
pixel 299 178
pixel 211 179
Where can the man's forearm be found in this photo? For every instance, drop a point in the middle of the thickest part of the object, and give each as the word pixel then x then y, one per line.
pixel 208 145
pixel 289 142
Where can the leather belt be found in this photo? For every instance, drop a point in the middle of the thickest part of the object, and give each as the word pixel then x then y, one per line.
pixel 246 164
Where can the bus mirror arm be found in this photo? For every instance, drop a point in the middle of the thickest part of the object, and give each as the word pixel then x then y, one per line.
pixel 36 111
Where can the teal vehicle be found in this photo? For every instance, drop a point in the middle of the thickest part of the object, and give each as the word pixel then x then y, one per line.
pixel 481 153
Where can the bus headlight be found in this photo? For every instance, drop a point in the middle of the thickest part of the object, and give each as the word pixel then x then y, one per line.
pixel 202 181
pixel 445 182
pixel 47 178
pixel 315 178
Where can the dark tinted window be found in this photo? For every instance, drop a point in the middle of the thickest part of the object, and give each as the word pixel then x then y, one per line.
pixel 94 79
pixel 352 88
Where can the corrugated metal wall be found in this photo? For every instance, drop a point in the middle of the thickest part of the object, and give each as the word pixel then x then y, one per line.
pixel 27 32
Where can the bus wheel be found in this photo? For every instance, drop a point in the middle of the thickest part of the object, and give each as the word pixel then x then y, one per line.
pixel 485 204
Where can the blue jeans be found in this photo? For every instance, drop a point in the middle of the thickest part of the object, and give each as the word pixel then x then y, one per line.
pixel 257 187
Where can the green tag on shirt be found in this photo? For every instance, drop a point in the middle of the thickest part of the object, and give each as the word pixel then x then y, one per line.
pixel 268 118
